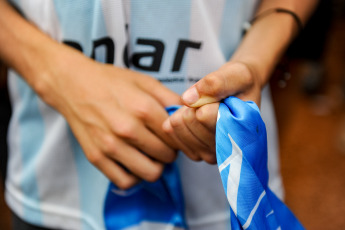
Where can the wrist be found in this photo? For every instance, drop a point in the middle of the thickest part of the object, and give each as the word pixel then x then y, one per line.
pixel 22 46
pixel 264 44
pixel 58 71
pixel 276 10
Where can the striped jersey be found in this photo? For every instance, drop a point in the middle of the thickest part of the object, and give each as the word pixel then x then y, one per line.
pixel 50 182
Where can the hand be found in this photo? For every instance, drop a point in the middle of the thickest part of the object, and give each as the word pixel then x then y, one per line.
pixel 193 129
pixel 232 79
pixel 193 126
pixel 116 115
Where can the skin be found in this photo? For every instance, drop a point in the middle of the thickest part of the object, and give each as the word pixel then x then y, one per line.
pixel 111 129
pixel 69 82
pixel 244 76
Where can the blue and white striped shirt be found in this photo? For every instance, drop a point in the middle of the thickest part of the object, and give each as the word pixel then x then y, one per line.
pixel 50 182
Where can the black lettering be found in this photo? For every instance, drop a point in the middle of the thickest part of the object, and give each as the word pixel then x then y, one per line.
pixel 156 56
pixel 182 46
pixel 171 79
pixel 74 45
pixel 109 46
pixel 126 59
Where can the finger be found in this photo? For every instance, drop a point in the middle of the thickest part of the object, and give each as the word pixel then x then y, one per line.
pixel 153 115
pixel 161 93
pixel 118 150
pixel 185 136
pixel 135 161
pixel 135 133
pixel 199 129
pixel 207 116
pixel 231 79
pixel 151 86
pixel 108 167
pixel 118 175
pixel 181 146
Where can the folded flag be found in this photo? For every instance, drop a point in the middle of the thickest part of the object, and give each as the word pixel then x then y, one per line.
pixel 241 147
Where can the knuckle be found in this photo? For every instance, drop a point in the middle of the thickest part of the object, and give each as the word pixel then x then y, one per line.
pixel 207 115
pixel 176 120
pixel 143 111
pixel 108 144
pixel 213 83
pixel 126 130
pixel 203 114
pixel 167 128
pixel 155 173
pixel 189 114
pixel 95 157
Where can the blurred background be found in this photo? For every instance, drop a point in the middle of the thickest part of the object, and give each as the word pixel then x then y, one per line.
pixel 308 90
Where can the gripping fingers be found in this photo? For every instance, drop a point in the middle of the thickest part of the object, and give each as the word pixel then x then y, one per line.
pixel 118 149
pixel 152 114
pixel 207 116
pixel 202 124
pixel 134 132
pixel 96 156
pixel 115 173
pixel 189 143
pixel 203 133
pixel 137 163
pixel 195 130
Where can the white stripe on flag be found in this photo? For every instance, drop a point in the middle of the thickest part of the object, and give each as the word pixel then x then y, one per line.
pixel 250 217
pixel 271 212
pixel 234 175
pixel 226 163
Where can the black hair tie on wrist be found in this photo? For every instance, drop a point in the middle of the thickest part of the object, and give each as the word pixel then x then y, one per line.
pixel 247 25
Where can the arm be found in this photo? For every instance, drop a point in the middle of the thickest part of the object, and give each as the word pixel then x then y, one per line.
pixel 258 53
pixel 244 76
pixel 96 100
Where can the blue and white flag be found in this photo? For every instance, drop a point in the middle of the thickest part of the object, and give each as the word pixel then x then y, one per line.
pixel 241 146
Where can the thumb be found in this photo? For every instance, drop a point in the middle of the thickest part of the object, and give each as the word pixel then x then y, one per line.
pixel 229 80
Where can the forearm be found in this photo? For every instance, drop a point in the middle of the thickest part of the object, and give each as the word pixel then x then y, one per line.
pixel 99 101
pixel 270 35
pixel 33 54
pixel 21 43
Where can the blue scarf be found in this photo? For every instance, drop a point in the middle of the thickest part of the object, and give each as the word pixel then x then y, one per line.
pixel 241 147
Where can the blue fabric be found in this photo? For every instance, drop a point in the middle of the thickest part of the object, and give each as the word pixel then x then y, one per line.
pixel 159 202
pixel 31 136
pixel 241 146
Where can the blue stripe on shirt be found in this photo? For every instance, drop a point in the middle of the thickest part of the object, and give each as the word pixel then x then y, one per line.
pixel 31 139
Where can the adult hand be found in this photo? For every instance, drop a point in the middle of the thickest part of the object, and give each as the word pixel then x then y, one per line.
pixel 193 126
pixel 116 115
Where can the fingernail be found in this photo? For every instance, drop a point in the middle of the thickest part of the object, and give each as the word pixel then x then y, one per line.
pixel 191 96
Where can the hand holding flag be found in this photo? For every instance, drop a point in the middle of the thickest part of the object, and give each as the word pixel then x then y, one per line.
pixel 193 126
